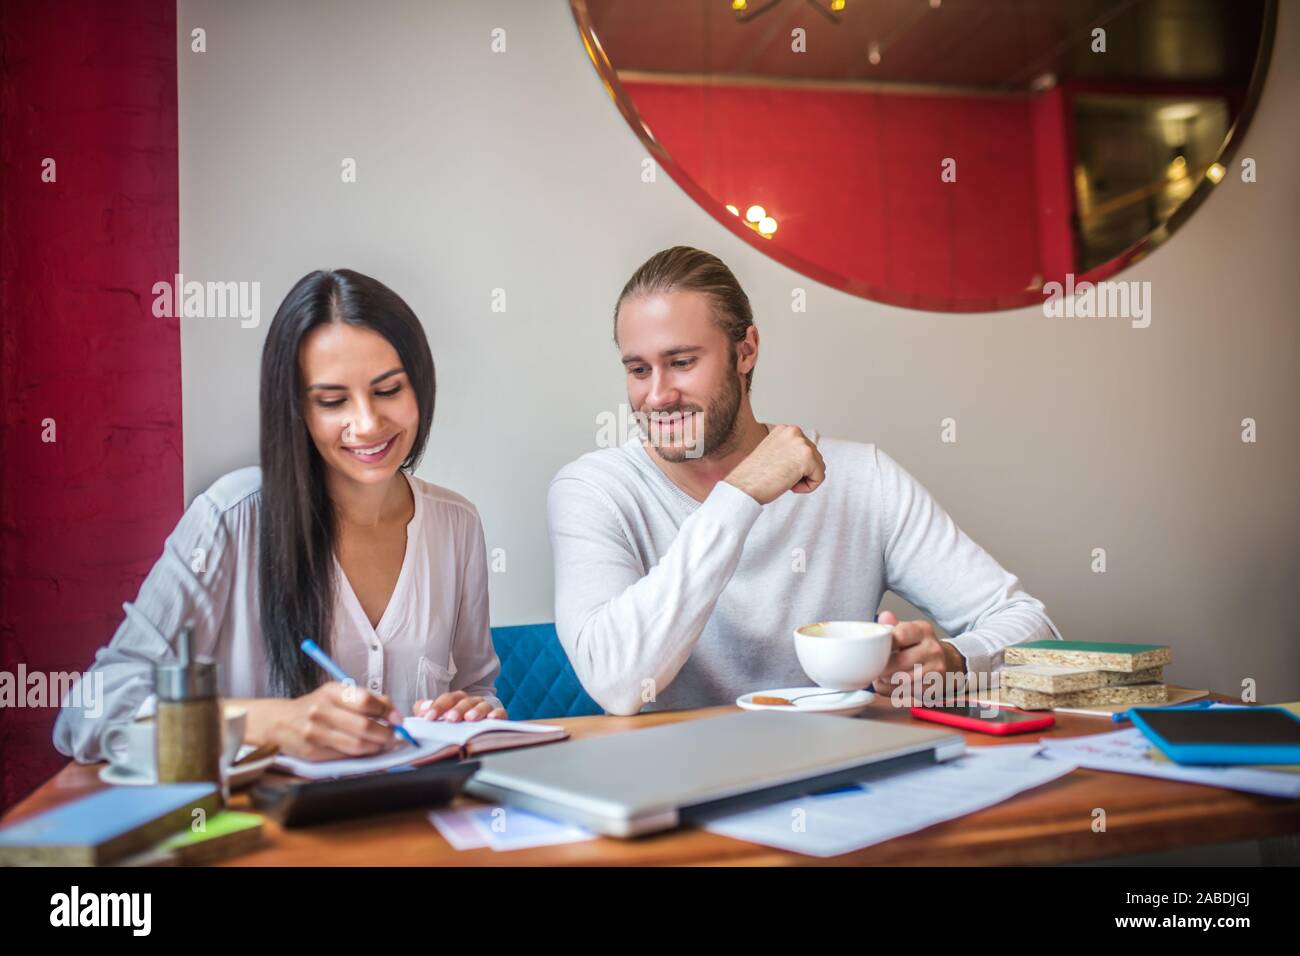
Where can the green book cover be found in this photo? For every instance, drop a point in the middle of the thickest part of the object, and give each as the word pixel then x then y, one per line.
pixel 218 825
pixel 1092 647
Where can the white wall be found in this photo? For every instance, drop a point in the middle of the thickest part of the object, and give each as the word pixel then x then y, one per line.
pixel 481 170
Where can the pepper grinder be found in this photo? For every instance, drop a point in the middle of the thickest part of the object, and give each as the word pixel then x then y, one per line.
pixel 189 716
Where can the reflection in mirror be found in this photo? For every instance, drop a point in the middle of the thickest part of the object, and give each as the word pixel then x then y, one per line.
pixel 953 155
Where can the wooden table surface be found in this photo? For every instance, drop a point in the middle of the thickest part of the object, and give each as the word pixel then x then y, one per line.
pixel 1051 824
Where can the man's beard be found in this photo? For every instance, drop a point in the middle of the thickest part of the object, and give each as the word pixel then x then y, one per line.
pixel 719 427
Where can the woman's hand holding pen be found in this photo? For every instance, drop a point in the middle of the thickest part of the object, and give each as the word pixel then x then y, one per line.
pixel 332 722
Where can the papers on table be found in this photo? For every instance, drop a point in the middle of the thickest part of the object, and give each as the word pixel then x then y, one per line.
pixel 1128 751
pixel 849 818
pixel 503 828
pixel 860 815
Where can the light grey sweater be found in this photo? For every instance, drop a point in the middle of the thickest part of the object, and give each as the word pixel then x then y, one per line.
pixel 665 602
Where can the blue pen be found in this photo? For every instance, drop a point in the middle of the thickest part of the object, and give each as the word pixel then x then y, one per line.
pixel 1194 705
pixel 312 650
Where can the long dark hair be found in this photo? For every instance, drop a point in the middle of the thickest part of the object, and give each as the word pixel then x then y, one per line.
pixel 295 549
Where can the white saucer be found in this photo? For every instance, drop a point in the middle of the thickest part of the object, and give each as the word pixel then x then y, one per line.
pixel 243 774
pixel 846 703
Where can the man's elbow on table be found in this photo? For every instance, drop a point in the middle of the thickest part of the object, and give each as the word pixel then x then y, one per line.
pixel 618 698
pixel 615 694
pixel 605 681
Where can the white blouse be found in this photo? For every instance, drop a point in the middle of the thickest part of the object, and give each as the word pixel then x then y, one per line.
pixel 433 636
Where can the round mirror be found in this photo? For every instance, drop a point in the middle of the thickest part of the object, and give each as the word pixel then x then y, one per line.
pixel 951 155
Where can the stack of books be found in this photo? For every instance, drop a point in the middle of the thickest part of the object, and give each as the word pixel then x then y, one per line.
pixel 163 825
pixel 1043 675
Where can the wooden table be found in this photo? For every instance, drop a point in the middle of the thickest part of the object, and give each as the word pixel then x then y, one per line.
pixel 1051 824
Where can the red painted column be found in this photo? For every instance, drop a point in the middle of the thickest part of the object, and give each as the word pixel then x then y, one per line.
pixel 92 87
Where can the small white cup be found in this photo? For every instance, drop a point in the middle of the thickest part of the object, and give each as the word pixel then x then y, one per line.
pixel 843 655
pixel 130 746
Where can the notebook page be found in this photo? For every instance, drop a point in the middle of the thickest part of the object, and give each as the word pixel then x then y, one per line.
pixel 463 731
pixel 400 755
pixel 431 735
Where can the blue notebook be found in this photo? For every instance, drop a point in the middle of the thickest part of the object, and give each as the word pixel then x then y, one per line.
pixel 106 825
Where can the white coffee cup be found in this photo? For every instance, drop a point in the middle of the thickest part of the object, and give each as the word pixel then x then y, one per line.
pixel 843 655
pixel 130 745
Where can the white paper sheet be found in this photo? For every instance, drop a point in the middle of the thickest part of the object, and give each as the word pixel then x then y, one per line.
pixel 861 815
pixel 503 828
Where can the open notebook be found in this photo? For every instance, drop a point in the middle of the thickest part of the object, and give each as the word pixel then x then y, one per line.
pixel 438 740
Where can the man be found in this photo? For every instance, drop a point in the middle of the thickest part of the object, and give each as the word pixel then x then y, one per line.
pixel 685 558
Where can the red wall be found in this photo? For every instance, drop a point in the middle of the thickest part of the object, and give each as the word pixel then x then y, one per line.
pixel 824 162
pixel 93 86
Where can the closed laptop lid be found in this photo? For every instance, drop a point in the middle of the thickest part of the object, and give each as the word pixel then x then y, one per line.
pixel 653 772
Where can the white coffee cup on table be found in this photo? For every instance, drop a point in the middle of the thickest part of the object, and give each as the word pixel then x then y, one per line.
pixel 130 745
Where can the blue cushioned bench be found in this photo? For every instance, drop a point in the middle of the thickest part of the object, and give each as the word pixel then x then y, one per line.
pixel 537 681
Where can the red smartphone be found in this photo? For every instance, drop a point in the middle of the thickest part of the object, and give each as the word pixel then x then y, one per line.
pixel 1001 721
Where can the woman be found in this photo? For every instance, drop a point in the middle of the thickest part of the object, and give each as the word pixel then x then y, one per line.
pixel 333 538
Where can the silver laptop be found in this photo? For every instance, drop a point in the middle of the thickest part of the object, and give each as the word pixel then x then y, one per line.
pixel 627 784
